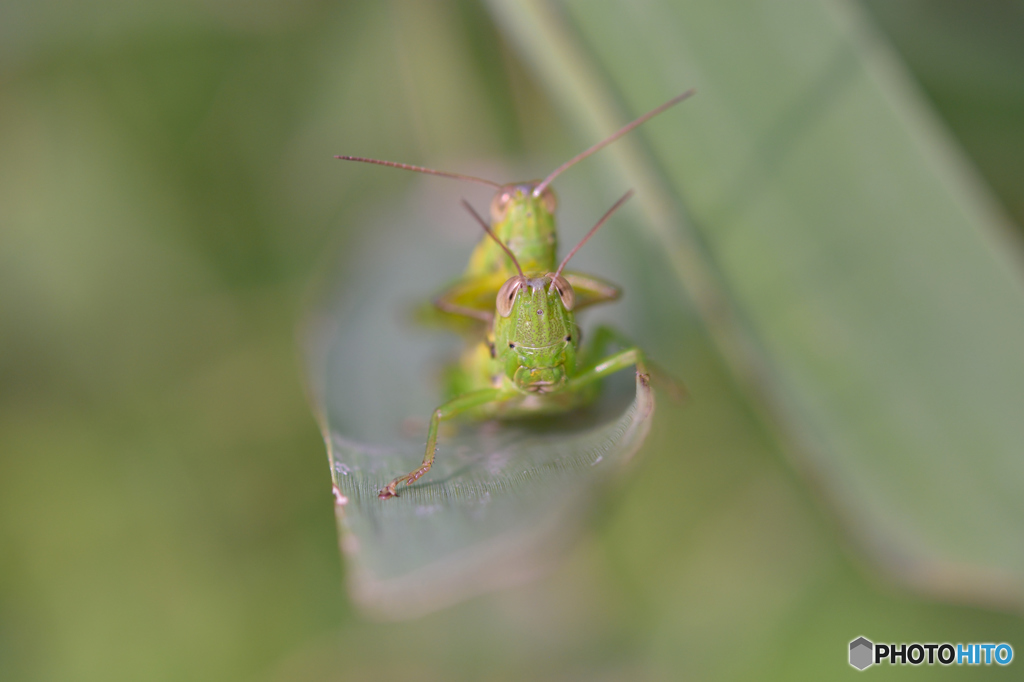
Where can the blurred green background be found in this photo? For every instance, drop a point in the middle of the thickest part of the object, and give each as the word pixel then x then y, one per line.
pixel 167 194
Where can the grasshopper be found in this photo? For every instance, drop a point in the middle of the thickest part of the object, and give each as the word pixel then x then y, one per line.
pixel 531 362
pixel 523 222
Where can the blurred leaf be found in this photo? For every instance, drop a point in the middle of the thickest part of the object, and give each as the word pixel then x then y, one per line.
pixel 969 58
pixel 847 262
pixel 501 502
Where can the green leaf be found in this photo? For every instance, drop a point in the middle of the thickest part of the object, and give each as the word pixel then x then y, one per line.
pixel 500 502
pixel 851 270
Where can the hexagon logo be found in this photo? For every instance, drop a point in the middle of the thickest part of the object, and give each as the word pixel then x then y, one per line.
pixel 861 650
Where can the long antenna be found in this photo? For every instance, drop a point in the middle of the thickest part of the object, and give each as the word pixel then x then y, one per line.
pixel 602 221
pixel 611 138
pixel 487 229
pixel 420 169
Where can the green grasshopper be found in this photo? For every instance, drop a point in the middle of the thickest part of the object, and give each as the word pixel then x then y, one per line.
pixel 531 362
pixel 523 221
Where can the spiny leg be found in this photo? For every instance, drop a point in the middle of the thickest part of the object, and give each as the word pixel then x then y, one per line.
pixel 464 310
pixel 630 357
pixel 604 335
pixel 450 409
pixel 591 290
pixel 472 292
pixel 465 304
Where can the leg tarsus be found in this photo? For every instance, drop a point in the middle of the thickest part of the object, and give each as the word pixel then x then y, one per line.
pixel 388 491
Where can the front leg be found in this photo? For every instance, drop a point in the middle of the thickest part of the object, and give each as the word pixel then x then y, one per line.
pixel 631 357
pixel 605 335
pixel 450 409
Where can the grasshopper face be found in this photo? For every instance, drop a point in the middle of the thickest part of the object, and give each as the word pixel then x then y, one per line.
pixel 534 332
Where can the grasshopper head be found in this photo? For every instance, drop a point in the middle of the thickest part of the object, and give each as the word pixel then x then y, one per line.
pixel 519 196
pixel 534 331
pixel 523 223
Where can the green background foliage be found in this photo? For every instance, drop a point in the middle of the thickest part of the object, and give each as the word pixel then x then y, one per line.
pixel 167 194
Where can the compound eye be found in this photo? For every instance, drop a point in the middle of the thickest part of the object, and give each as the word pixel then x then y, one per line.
pixel 507 295
pixel 500 204
pixel 549 199
pixel 565 292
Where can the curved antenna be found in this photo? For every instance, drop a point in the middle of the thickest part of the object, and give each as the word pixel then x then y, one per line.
pixel 602 221
pixel 487 229
pixel 421 169
pixel 611 138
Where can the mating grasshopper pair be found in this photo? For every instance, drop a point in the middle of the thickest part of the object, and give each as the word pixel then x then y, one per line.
pixel 529 361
